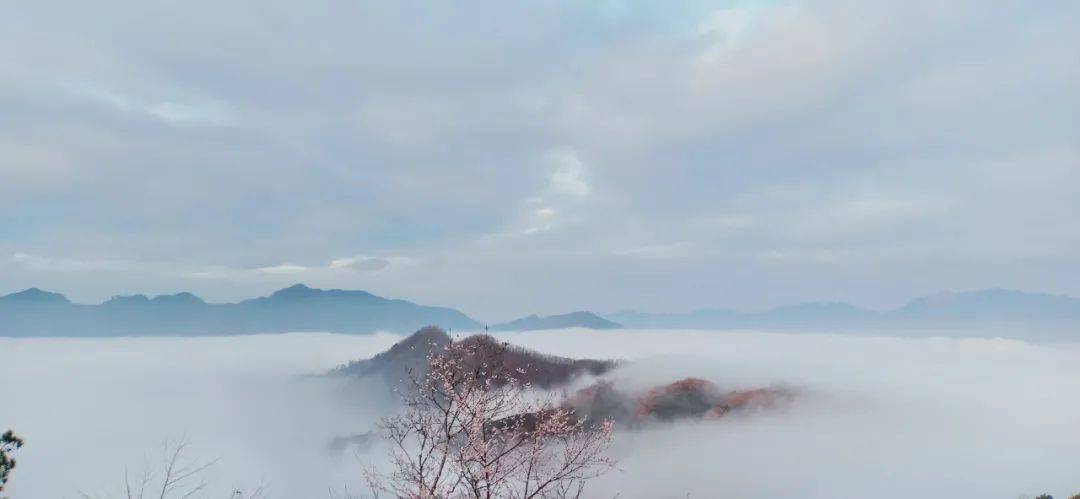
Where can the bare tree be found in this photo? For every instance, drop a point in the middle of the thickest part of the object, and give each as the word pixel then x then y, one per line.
pixel 471 429
pixel 176 477
pixel 180 478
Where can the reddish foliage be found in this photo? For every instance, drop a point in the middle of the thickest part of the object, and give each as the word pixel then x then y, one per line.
pixel 687 398
pixel 690 397
pixel 716 412
pixel 763 398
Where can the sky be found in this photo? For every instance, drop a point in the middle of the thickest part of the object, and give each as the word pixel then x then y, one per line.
pixel 508 158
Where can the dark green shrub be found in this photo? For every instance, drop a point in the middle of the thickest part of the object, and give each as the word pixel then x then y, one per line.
pixel 9 443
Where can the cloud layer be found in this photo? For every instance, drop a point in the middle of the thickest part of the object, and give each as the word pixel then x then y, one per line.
pixel 879 417
pixel 645 155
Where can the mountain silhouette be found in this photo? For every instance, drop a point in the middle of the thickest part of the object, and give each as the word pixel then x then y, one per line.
pixel 34 312
pixel 587 320
pixel 991 312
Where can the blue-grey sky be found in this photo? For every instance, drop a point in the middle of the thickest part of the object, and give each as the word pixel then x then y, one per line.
pixel 516 157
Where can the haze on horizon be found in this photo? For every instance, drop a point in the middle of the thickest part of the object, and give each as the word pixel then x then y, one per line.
pixel 539 157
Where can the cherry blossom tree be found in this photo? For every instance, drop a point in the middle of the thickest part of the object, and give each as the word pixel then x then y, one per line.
pixel 473 428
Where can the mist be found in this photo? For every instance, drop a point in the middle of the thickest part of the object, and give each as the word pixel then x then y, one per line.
pixel 875 416
pixel 878 417
pixel 91 408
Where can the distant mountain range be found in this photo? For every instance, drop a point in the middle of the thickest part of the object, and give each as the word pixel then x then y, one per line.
pixel 574 319
pixel 298 308
pixel 34 312
pixel 988 312
pixel 994 312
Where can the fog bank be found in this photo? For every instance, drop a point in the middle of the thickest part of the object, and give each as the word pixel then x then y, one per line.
pixel 882 417
pixel 88 408
pixel 879 417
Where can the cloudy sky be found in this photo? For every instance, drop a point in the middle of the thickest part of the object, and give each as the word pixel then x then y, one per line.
pixel 516 157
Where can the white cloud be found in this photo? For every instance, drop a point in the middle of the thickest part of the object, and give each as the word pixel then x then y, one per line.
pixel 27 165
pixel 862 214
pixel 570 174
pixel 25 259
pixel 541 220
pixel 42 263
pixel 362 263
pixel 285 268
pixel 536 229
pixel 804 256
pixel 558 203
pixel 358 263
pixel 726 222
pixel 334 273
pixel 427 136
pixel 657 251
pixel 728 27
pixel 176 109
pixel 921 405
pixel 545 212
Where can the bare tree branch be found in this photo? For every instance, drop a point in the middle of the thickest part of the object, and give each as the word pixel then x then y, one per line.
pixel 469 429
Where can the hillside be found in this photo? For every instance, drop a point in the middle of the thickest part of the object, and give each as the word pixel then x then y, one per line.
pixel 411 355
pixel 632 406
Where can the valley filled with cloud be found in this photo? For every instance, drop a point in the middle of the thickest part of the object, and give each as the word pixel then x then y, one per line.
pixel 877 416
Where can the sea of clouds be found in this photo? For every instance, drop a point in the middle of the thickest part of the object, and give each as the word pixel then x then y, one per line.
pixel 878 417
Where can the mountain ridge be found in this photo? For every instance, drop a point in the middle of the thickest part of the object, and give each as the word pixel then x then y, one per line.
pixel 988 312
pixel 993 309
pixel 37 313
pixel 535 322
